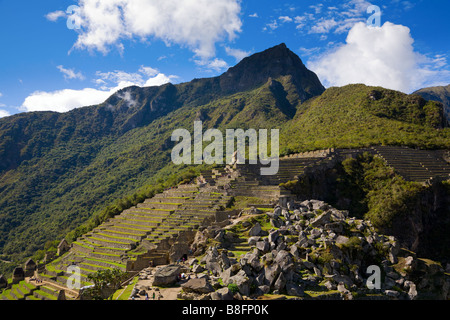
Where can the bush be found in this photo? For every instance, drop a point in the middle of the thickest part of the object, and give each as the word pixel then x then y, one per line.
pixel 103 279
pixel 376 192
pixel 233 288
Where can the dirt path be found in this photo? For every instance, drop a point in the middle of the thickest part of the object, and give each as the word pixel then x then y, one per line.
pixel 235 221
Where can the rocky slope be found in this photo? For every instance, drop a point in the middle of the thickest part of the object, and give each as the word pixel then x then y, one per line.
pixel 307 251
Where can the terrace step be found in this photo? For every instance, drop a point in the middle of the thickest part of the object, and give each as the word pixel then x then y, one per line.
pixel 137 221
pixel 111 244
pixel 108 237
pixel 124 233
pixel 122 224
pixel 159 205
pixel 46 293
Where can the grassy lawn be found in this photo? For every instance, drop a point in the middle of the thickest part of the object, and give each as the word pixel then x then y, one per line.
pixel 124 293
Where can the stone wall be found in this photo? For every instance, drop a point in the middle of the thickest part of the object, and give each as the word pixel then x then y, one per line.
pixel 312 154
pixel 182 245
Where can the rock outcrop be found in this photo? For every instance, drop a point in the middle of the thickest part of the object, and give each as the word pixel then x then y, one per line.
pixel 315 251
pixel 167 275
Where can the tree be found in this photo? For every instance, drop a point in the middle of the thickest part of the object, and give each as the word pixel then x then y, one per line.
pixel 105 279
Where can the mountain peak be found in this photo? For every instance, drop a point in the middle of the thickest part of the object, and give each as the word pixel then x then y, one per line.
pixel 438 93
pixel 274 63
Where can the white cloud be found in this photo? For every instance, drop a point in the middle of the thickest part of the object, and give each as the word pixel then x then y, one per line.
pixel 4 113
pixel 198 24
pixel 319 19
pixel 346 24
pixel 381 56
pixel 158 80
pixel 324 26
pixel 120 78
pixel 285 19
pixel 301 21
pixel 272 25
pixel 317 8
pixel 333 19
pixel 355 8
pixel 70 73
pixel 309 51
pixel 213 65
pixel 145 77
pixel 254 15
pixel 406 5
pixel 128 99
pixel 148 71
pixel 108 82
pixel 237 53
pixel 55 15
pixel 64 100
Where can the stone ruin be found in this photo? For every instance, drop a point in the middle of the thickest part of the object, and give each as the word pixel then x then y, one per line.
pixel 3 282
pixel 18 275
pixel 29 268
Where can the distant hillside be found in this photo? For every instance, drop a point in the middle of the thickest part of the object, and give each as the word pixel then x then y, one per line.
pixel 58 170
pixel 441 94
pixel 359 116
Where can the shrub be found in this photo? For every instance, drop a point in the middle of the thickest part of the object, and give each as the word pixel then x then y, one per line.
pixel 102 279
pixel 233 288
pixel 325 257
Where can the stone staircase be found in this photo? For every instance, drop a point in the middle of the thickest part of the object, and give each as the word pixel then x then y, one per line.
pixel 249 182
pixel 192 212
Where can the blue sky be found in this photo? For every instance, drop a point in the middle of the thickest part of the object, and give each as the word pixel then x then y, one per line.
pixel 46 65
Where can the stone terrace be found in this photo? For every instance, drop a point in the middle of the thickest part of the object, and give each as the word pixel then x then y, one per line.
pixel 136 234
pixel 250 183
pixel 415 165
pixel 147 231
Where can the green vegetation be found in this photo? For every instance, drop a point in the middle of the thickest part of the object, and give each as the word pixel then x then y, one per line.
pixel 348 117
pixel 125 293
pixel 18 291
pixel 103 279
pixel 241 202
pixel 441 94
pixel 377 193
pixel 61 175
pixel 371 190
pixel 367 187
pixel 233 288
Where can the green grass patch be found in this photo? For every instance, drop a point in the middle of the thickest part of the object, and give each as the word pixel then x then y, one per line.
pixel 124 293
pixel 120 265
pixel 46 294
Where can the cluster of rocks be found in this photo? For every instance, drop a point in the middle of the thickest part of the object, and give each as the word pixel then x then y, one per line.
pixel 312 250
